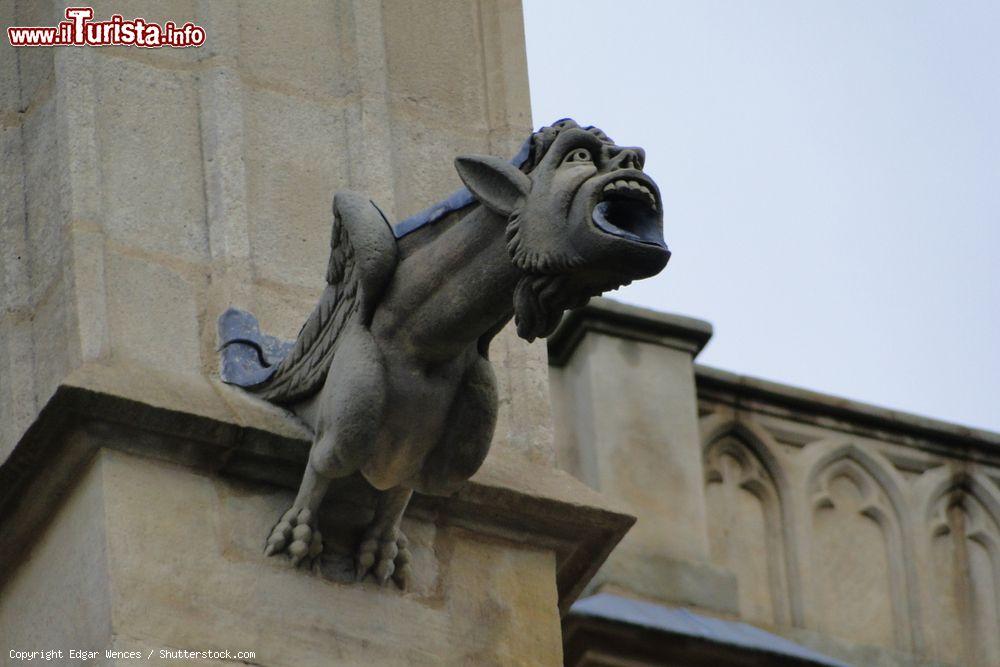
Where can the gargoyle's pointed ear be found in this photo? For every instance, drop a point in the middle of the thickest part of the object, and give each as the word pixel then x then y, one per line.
pixel 495 182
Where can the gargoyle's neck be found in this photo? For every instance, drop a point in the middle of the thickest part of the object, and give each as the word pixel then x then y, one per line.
pixel 453 290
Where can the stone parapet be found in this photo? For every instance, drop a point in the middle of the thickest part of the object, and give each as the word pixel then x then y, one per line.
pixel 845 415
pixel 864 533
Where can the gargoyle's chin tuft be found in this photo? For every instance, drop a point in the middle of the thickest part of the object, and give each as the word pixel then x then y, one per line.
pixel 541 299
pixel 539 302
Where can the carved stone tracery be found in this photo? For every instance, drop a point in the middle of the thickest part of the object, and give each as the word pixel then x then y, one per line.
pixel 849 560
pixel 736 458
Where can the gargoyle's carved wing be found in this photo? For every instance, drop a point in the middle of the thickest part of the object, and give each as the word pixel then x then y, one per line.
pixel 363 257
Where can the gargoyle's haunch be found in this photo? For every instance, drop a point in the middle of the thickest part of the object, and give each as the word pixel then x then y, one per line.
pixel 391 367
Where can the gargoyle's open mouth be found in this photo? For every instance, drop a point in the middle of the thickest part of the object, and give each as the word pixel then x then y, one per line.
pixel 628 208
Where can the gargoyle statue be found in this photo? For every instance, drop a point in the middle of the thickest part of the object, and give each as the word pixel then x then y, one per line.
pixel 391 368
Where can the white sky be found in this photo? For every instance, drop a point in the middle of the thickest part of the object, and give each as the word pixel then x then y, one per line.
pixel 831 177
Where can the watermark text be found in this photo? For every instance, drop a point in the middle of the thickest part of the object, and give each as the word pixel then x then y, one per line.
pixel 79 29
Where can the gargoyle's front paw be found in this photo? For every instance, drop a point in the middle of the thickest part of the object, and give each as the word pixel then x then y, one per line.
pixel 295 534
pixel 386 555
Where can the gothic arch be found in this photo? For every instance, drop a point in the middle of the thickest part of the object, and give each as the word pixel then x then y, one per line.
pixel 758 472
pixel 958 486
pixel 961 514
pixel 717 427
pixel 880 499
pixel 839 454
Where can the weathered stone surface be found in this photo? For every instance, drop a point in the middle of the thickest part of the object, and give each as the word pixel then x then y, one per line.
pixel 89 279
pixel 627 423
pixel 424 168
pixel 16 380
pixel 313 57
pixel 166 336
pixel 17 391
pixel 35 66
pixel 431 66
pixel 10 86
pixel 52 341
pixel 282 311
pixel 294 164
pixel 181 573
pixel 153 192
pixel 61 596
pixel 45 227
pixel 524 418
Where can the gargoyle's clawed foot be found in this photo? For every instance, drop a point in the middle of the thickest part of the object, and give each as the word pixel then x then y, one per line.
pixel 295 534
pixel 384 556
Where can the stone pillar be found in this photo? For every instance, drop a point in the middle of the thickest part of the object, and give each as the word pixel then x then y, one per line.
pixel 644 451
pixel 143 192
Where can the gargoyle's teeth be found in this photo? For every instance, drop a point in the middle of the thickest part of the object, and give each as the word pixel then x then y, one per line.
pixel 632 188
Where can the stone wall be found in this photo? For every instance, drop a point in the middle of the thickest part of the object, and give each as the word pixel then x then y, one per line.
pixel 866 534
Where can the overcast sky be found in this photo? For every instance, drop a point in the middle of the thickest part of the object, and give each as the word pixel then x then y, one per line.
pixel 831 177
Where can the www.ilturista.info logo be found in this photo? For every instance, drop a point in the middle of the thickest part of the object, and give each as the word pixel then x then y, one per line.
pixel 79 30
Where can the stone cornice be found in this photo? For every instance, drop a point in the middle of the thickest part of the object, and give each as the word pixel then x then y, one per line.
pixel 754 394
pixel 215 429
pixel 630 322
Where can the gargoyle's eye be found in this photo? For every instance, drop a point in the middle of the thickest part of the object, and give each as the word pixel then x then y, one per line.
pixel 579 155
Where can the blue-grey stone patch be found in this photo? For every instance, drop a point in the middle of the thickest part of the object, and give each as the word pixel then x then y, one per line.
pixel 249 357
pixel 454 201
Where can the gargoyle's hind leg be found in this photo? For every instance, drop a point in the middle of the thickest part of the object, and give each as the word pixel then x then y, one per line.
pixel 349 417
pixel 296 531
pixel 384 551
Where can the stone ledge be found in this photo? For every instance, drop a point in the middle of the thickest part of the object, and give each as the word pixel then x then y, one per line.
pixel 629 322
pixel 211 427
